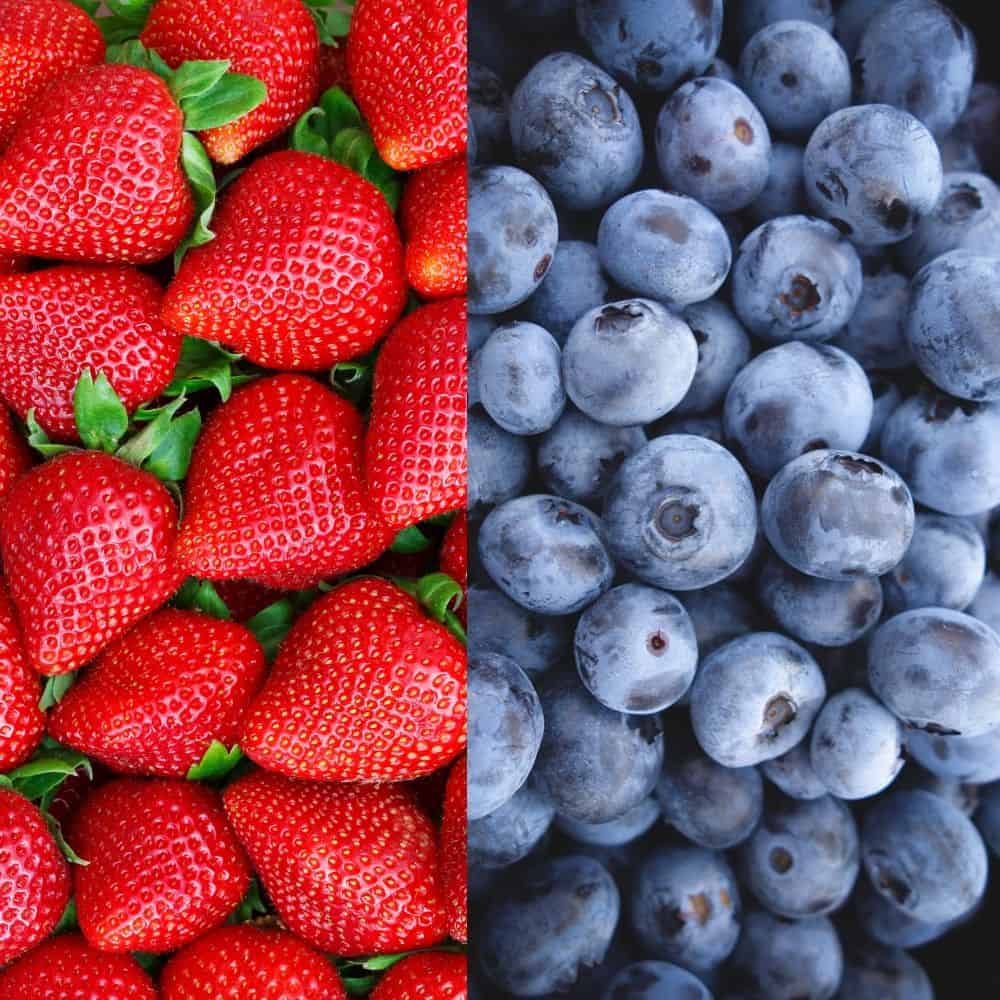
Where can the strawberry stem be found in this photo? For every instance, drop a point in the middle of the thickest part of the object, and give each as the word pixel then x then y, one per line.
pixel 440 595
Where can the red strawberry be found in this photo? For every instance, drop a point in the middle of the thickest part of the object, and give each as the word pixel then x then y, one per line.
pixel 39 42
pixel 366 688
pixel 352 869
pixel 244 598
pixel 15 458
pixel 454 868
pixel 12 264
pixel 22 722
pixel 454 558
pixel 34 878
pixel 333 68
pixel 306 268
pixel 408 68
pixel 433 214
pixel 58 322
pixel 415 454
pixel 67 968
pixel 237 963
pixel 88 545
pixel 164 867
pixel 431 975
pixel 274 492
pixel 154 700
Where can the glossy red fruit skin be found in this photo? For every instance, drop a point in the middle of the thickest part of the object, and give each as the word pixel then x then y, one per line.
pixel 57 322
pixel 454 555
pixel 272 40
pixel 431 975
pixel 241 962
pixel 88 549
pixel 306 268
pixel 275 492
pixel 93 173
pixel 352 869
pixel 366 688
pixel 454 867
pixel 39 42
pixel 67 968
pixel 22 722
pixel 415 449
pixel 408 69
pixel 434 220
pixel 155 699
pixel 15 459
pixel 164 865
pixel 34 878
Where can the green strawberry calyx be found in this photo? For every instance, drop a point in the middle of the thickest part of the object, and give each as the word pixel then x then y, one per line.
pixel 440 595
pixel 332 19
pixel 216 763
pixel 201 595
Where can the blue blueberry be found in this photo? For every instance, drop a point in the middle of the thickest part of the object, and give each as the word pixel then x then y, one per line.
pixel 979 123
pixel 471 146
pixel 875 335
pixel 719 69
pixel 793 773
pixel 499 464
pixel 988 816
pixel 479 328
pixel 718 614
pixel 986 604
pixel 681 513
pixel 574 284
pixel 752 15
pixel 887 396
pixel 489 112
pixel 852 19
pixel 616 832
pixel 785 192
pixel 874 972
pixel 967 759
pixel 656 981
pixel 510 833
pixel 723 349
pixel 664 247
pixel 702 425
pixel 883 921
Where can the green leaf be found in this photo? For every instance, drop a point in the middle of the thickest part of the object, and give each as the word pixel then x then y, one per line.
pixel 379 963
pixel 89 7
pixel 198 170
pixel 150 962
pixel 202 365
pixel 132 52
pixel 441 596
pixel 67 922
pixel 251 906
pixel 39 440
pixel 55 690
pixel 197 77
pixel 411 540
pixel 359 986
pixel 201 595
pixel 271 625
pixel 332 17
pixel 171 459
pixel 127 19
pixel 216 763
pixel 232 97
pixel 101 417
pixel 67 851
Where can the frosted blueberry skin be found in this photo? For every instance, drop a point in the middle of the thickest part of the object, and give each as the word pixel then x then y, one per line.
pixel 499 464
pixel 547 554
pixel 856 745
pixel 713 144
pixel 550 923
pixel 574 284
pixel 874 171
pixel 651 44
pixel 479 328
pixel 506 724
pixel 874 972
pixel 628 362
pixel 973 760
pixel 681 513
pixel 947 450
pixel 785 192
pixel 489 112
pixel 887 924
pixel 596 764
pixel 918 56
pixel 838 515
pixel 719 613
pixel 686 907
pixel 986 604
pixel 793 773
pixel 513 233
pixel 656 981
pixel 887 398
pixel 752 15
pixel 922 854
pixel 938 670
pixel 616 832
pixel 755 698
pixel 665 247
pixel 875 335
pixel 796 278
pixel 796 74
pixel 508 834
pixel 576 130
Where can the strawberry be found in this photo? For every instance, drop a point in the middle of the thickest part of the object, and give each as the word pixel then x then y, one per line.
pixel 236 963
pixel 430 975
pixel 67 968
pixel 56 323
pixel 454 868
pixel 366 687
pixel 333 68
pixel 415 453
pixel 22 722
pixel 454 558
pixel 352 869
pixel 275 492
pixel 12 264
pixel 88 544
pixel 164 866
pixel 408 67
pixel 39 42
pixel 434 219
pixel 155 699
pixel 34 878
pixel 244 598
pixel 15 458
pixel 306 268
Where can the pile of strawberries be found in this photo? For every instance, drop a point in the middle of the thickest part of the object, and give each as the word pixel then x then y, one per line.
pixel 232 449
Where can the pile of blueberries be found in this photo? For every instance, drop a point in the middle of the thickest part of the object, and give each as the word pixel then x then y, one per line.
pixel 734 447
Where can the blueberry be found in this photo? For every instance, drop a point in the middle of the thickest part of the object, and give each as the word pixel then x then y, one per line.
pixel 471 146
pixel 796 278
pixel 712 144
pixel 923 855
pixel 596 764
pixel 505 730
pixel 518 377
pixel 508 834
pixel 651 44
pixel 968 759
pixel 986 604
pixel 513 233
pixel 918 56
pixel 499 463
pixel 785 192
pixel 979 122
pixel 797 74
pixel 479 329
pixel 635 649
pixel 577 131
pixel 548 924
pixel 988 816
pixel 852 19
pixel 755 698
pixel 719 69
pixel 874 171
pixel 752 15
pixel 824 612
pixel 963 796
pixel 489 112
pixel 656 981
pixel 547 554
pixel 628 362
pixel 874 972
pixel 793 773
pixel 665 247
pixel 616 832
pixel 875 335
pixel 838 515
pixel 958 152
pixel 702 425
pixel 574 284
pixel 681 513
pixel 718 614
pixel 887 924
pixel 887 398
pixel 578 457
pixel 686 907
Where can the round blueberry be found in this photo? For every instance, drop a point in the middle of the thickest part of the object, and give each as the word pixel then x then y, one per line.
pixel 793 773
pixel 875 335
pixel 723 349
pixel 785 192
pixel 511 832
pixel 489 112
pixel 499 463
pixel 479 328
pixel 852 19
pixel 616 832
pixel 887 396
pixel 986 604
pixel 874 972
pixel 752 15
pixel 718 614
pixel 968 759
pixel 656 981
pixel 883 921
